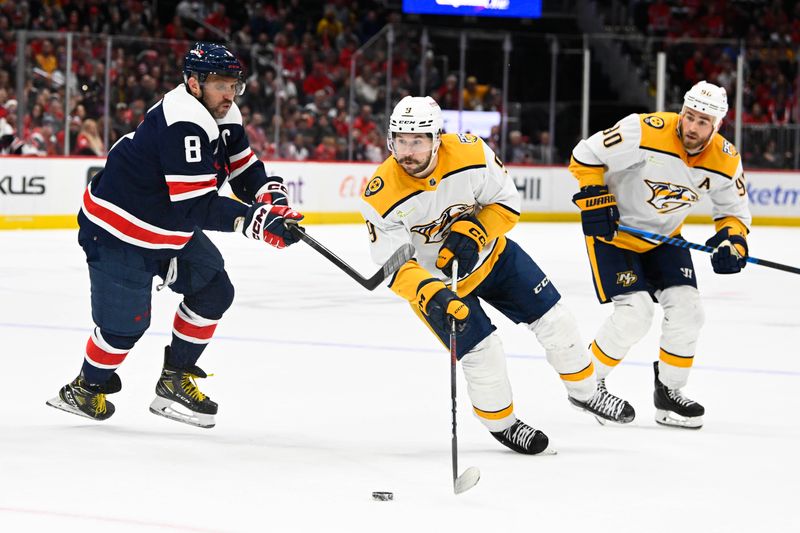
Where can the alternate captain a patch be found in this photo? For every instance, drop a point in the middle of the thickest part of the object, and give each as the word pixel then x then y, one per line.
pixel 374 185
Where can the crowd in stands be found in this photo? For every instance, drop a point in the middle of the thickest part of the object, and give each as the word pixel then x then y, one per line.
pixel 770 32
pixel 297 57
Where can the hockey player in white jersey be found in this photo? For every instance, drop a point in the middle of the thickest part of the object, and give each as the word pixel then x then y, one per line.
pixel 451 197
pixel 647 172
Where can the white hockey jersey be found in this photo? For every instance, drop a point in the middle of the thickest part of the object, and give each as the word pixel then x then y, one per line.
pixel 398 208
pixel 642 161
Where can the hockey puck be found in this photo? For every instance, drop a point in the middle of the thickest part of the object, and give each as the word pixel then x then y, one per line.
pixel 383 496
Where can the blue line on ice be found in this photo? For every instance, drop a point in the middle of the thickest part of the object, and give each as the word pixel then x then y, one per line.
pixel 11 325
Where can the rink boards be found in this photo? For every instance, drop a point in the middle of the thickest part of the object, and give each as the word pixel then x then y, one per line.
pixel 40 193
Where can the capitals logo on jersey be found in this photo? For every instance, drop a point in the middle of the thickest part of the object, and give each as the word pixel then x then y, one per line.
pixel 436 231
pixel 668 197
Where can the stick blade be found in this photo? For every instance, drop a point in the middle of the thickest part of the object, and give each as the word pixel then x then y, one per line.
pixel 467 480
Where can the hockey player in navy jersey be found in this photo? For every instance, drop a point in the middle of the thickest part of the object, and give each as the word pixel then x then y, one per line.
pixel 144 215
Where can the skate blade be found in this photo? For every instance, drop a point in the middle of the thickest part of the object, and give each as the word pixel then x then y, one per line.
pixel 174 411
pixel 600 420
pixel 547 451
pixel 60 404
pixel 467 480
pixel 671 419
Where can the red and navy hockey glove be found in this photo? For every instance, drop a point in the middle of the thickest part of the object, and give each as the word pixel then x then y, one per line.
pixel 599 211
pixel 467 237
pixel 265 222
pixel 273 192
pixel 730 252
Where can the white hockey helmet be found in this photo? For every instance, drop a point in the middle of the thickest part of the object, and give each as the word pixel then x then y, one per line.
pixel 416 114
pixel 707 98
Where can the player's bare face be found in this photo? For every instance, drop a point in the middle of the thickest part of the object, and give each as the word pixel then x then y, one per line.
pixel 218 93
pixel 696 128
pixel 413 151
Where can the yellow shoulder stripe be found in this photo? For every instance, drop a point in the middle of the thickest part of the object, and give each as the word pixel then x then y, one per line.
pixel 719 157
pixel 659 133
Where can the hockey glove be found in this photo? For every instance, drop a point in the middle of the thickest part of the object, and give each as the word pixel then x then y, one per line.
pixel 441 305
pixel 264 222
pixel 599 212
pixel 467 237
pixel 730 252
pixel 273 192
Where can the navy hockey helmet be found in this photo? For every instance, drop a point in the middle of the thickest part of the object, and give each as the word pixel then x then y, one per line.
pixel 211 58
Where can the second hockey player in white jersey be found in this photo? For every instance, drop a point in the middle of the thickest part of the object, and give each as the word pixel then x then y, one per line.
pixel 451 197
pixel 647 172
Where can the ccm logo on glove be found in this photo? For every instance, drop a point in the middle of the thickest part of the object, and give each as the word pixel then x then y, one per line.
pixel 265 222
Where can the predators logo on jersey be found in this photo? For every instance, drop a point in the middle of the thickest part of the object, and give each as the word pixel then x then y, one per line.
pixel 668 197
pixel 627 278
pixel 436 231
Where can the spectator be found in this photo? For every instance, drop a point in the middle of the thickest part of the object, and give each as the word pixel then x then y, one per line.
pixel 447 95
pixel 89 141
pixel 329 27
pixel 364 122
pixel 297 150
pixel 366 86
pixel 326 150
pixel 257 135
pixel 317 80
pixel 474 94
pixel 545 152
pixel 518 149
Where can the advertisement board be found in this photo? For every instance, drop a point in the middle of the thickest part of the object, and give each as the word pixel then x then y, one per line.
pixel 47 192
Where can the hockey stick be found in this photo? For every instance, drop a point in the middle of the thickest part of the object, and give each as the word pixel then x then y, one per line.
pixel 397 259
pixel 471 475
pixel 680 243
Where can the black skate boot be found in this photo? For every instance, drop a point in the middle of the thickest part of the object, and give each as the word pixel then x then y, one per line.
pixel 675 409
pixel 85 399
pixel 524 439
pixel 605 406
pixel 178 398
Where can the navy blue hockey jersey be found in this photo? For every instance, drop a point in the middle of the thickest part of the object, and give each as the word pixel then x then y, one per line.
pixel 161 182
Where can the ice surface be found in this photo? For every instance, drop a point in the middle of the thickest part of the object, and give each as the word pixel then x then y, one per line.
pixel 329 392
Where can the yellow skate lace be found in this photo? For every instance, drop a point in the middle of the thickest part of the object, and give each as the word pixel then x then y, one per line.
pixel 189 385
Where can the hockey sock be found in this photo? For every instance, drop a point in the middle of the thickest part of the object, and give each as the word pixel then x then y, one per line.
pixel 104 353
pixel 190 336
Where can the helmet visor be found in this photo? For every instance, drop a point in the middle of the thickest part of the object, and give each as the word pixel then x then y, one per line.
pixel 225 81
pixel 401 144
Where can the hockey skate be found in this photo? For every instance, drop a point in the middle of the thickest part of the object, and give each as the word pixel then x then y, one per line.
pixel 675 409
pixel 179 399
pixel 85 399
pixel 605 406
pixel 522 438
